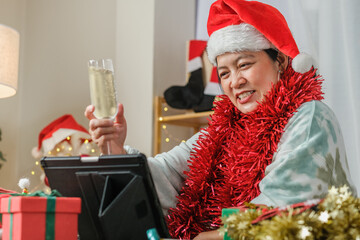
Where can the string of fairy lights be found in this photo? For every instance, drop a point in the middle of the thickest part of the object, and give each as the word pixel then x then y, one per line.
pixel 169 137
pixel 63 148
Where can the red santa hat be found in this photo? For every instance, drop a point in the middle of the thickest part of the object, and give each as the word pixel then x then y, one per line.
pixel 56 132
pixel 239 25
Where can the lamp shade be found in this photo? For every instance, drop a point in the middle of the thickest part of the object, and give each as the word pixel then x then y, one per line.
pixel 9 61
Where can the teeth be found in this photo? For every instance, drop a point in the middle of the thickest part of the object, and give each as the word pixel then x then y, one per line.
pixel 245 94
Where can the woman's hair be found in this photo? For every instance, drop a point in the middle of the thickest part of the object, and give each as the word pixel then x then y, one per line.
pixel 273 53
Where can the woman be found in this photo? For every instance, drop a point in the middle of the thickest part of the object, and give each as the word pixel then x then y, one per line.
pixel 270 140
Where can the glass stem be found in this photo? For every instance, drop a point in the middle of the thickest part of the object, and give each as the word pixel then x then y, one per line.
pixel 108 149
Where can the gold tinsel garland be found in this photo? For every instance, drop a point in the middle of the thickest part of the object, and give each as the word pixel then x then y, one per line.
pixel 335 217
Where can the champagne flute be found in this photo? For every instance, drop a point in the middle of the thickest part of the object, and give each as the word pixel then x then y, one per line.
pixel 102 90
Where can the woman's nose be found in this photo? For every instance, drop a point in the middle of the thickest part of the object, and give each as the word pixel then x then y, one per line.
pixel 237 81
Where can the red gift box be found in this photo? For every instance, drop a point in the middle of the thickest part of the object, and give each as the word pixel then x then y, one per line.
pixel 3 194
pixel 40 218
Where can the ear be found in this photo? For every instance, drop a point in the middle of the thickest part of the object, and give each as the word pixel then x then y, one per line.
pixel 283 61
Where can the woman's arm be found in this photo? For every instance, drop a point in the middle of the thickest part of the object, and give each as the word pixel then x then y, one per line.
pixel 167 170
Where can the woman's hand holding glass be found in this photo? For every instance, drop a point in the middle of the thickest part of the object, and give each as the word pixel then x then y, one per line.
pixel 103 131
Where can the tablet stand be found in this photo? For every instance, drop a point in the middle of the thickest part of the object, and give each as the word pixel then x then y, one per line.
pixel 117 205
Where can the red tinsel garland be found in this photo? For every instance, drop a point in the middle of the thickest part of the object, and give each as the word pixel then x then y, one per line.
pixel 232 154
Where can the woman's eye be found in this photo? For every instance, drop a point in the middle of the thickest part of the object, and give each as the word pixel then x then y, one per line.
pixel 223 75
pixel 244 65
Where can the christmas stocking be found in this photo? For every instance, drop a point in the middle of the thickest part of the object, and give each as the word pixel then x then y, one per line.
pixel 212 89
pixel 194 95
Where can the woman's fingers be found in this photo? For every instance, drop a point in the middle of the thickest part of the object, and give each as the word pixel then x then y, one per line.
pixel 100 123
pixel 119 118
pixel 100 131
pixel 89 112
pixel 103 139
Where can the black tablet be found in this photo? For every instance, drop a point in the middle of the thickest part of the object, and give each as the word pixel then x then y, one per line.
pixel 118 196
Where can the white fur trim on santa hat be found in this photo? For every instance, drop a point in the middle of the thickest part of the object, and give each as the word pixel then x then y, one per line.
pixel 36 153
pixel 58 136
pixel 302 63
pixel 236 38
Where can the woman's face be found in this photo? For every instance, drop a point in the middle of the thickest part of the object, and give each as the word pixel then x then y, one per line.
pixel 246 77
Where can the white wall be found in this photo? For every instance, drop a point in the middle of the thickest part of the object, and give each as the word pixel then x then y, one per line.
pixel 57 40
pixel 12 13
pixel 174 26
pixel 134 57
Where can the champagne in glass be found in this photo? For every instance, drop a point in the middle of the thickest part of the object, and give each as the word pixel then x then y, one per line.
pixel 102 90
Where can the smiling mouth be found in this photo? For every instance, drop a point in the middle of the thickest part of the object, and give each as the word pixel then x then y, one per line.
pixel 245 94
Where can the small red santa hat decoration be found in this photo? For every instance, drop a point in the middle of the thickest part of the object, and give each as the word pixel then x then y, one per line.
pixel 239 25
pixel 196 50
pixel 56 132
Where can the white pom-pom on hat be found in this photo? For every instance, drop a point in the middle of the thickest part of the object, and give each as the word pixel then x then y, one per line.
pixel 24 183
pixel 302 63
